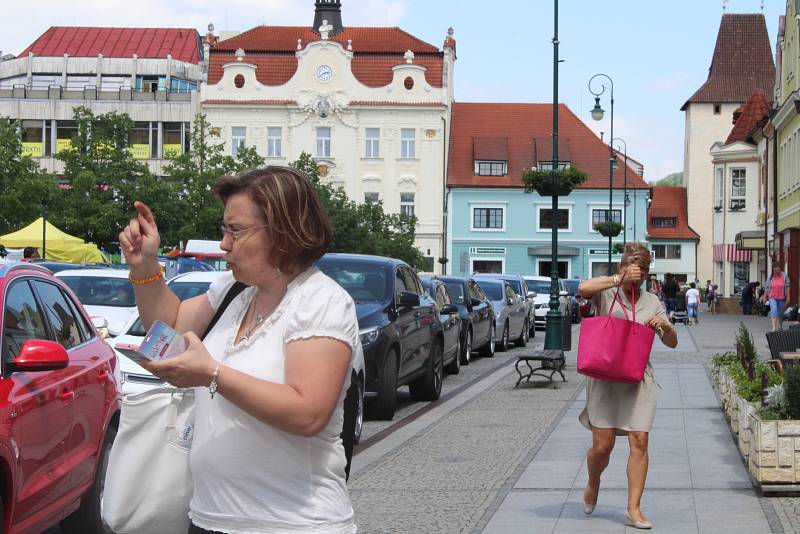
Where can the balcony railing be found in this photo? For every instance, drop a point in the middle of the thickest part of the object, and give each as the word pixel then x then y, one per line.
pixel 90 92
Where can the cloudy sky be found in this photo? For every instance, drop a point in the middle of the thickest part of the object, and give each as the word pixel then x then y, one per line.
pixel 657 53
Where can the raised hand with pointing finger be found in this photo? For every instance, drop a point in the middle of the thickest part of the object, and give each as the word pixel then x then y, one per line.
pixel 140 242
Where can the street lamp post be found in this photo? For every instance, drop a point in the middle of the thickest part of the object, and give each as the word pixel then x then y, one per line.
pixel 625 200
pixel 553 326
pixel 597 114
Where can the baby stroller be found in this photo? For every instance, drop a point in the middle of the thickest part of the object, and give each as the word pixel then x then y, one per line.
pixel 681 314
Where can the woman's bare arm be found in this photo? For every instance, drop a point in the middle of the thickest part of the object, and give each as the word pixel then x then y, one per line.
pixel 589 287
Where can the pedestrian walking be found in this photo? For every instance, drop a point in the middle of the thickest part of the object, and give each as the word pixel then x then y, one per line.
pixel 617 408
pixel 271 375
pixel 711 296
pixel 748 295
pixel 777 290
pixel 670 291
pixel 692 302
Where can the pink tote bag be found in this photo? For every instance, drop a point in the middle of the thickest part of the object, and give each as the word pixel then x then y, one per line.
pixel 610 348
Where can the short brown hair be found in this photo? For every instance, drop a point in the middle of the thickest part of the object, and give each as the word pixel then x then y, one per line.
pixel 298 226
pixel 636 254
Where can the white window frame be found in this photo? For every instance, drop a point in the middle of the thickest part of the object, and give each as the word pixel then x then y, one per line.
pixel 372 143
pixel 741 197
pixel 473 259
pixel 546 206
pixel 567 261
pixel 604 207
pixel 479 162
pixel 474 206
pixel 274 142
pixel 408 145
pixel 238 141
pixel 406 204
pixel 720 188
pixel 324 142
pixel 666 249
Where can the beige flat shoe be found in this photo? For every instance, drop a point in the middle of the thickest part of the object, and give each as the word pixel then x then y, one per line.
pixel 588 508
pixel 631 522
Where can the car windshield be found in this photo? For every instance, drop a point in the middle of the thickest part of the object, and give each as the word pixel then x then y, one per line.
pixel 363 281
pixel 102 290
pixel 516 285
pixel 456 292
pixel 572 286
pixel 539 286
pixel 183 290
pixel 493 290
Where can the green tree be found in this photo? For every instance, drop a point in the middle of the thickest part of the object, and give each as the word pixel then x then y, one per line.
pixel 24 186
pixel 104 180
pixel 197 171
pixel 363 228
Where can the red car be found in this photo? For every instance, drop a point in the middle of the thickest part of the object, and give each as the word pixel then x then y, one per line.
pixel 59 406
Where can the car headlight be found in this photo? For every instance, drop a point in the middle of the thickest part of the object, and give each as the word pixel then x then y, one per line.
pixel 369 335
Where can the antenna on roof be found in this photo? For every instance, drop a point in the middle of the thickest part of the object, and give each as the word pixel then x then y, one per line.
pixel 762 6
pixel 724 4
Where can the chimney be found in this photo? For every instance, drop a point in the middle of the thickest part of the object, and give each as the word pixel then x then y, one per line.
pixel 328 10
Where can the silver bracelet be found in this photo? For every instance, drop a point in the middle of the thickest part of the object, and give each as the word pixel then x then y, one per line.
pixel 212 387
pixel 616 280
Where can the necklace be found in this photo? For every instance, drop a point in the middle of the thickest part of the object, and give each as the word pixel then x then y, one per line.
pixel 256 321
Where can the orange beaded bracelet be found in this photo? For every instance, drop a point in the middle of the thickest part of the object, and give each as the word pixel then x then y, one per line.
pixel 149 280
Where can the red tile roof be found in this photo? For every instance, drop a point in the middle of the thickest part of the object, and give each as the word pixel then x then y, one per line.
pixel 375 52
pixel 390 103
pixel 490 148
pixel 544 149
pixel 150 43
pixel 742 62
pixel 757 106
pixel 670 202
pixel 522 124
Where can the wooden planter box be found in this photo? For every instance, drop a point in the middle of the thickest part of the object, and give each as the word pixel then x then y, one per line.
pixel 774 458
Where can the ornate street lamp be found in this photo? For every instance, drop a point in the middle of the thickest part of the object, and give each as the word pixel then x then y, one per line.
pixel 553 326
pixel 597 114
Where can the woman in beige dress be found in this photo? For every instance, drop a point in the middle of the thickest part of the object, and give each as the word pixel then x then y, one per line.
pixel 616 408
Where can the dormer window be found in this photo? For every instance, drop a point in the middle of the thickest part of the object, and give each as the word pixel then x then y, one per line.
pixel 548 165
pixel 491 168
pixel 663 222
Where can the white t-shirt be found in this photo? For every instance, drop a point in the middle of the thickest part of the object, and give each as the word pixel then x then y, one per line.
pixel 693 296
pixel 250 477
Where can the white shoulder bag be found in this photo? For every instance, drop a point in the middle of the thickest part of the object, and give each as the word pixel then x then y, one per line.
pixel 148 483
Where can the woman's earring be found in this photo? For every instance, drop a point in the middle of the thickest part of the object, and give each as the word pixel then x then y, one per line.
pixel 278 273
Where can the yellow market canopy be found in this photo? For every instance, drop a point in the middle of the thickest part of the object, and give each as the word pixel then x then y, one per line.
pixel 60 245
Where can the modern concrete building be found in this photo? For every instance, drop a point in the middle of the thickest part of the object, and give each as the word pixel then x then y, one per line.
pixel 741 65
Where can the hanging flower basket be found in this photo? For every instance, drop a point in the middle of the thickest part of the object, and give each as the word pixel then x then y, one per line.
pixel 539 181
pixel 608 228
pixel 619 248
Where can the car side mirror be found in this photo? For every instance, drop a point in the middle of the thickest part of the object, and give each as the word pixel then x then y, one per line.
pixel 40 355
pixel 474 302
pixel 563 294
pixel 449 309
pixel 407 298
pixel 510 301
pixel 101 325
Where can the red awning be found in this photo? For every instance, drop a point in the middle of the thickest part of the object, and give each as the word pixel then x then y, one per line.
pixel 736 255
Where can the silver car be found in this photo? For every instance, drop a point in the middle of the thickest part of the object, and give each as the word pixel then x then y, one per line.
pixel 520 286
pixel 511 312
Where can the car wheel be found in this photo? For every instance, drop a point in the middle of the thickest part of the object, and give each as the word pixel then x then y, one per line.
pixel 503 346
pixel 466 355
pixel 384 405
pixel 522 340
pixel 359 413
pixel 88 518
pixel 429 386
pixel 487 351
pixel 454 367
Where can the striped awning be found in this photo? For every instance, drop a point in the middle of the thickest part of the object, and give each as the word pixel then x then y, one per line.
pixel 729 252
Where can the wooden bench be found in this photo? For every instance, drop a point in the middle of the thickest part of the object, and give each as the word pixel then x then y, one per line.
pixel 548 360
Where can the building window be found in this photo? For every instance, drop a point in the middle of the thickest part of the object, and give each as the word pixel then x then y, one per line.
pixel 601 215
pixel 372 198
pixel 66 132
pixel 546 219
pixel 33 138
pixel 738 188
pixel 667 252
pixel 77 82
pixel 491 168
pixel 408 143
pixel 563 268
pixel 741 276
pixel 488 218
pixel 719 189
pixel 372 148
pixel 717 109
pixel 323 142
pixel 548 165
pixel 273 142
pixel 407 204
pixel 663 222
pixel 139 140
pixel 487 266
pixel 238 138
pixel 173 140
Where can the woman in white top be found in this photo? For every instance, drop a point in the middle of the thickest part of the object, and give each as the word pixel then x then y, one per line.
pixel 272 373
pixel 692 302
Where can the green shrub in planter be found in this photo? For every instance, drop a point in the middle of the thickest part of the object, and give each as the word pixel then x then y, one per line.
pixel 791 390
pixel 608 228
pixel 744 343
pixel 566 179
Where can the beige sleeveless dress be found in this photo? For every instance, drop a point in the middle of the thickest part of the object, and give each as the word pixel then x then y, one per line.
pixel 624 407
